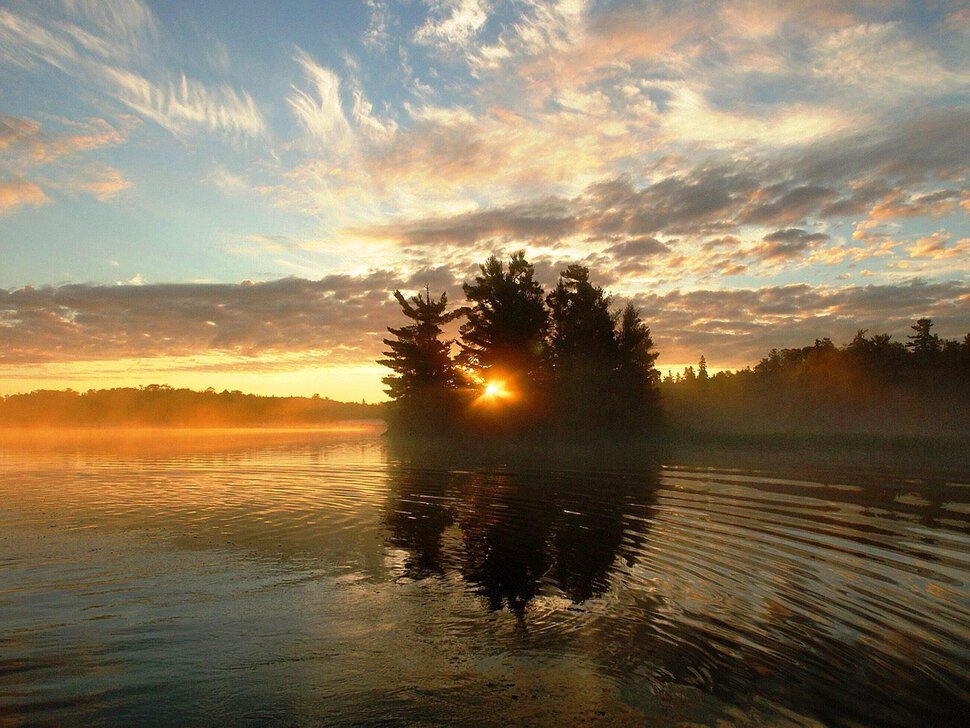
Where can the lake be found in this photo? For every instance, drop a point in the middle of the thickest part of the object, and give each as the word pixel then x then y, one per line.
pixel 332 578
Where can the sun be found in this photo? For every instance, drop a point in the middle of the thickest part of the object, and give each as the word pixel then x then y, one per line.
pixel 494 391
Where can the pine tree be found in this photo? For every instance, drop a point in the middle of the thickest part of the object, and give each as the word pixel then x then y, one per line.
pixel 637 377
pixel 702 369
pixel 582 325
pixel 422 362
pixel 923 343
pixel 583 351
pixel 507 320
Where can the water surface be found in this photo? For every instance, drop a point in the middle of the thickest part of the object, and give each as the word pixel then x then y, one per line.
pixel 328 578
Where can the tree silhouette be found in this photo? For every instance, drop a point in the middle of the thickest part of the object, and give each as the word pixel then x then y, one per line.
pixel 574 367
pixel 871 385
pixel 584 351
pixel 507 321
pixel 924 343
pixel 702 369
pixel 582 325
pixel 637 378
pixel 424 371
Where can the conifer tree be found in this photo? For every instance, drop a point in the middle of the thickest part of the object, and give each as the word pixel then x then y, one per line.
pixel 421 361
pixel 637 377
pixel 583 328
pixel 924 343
pixel 507 320
pixel 583 351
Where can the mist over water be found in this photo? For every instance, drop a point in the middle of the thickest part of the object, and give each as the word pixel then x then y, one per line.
pixel 307 578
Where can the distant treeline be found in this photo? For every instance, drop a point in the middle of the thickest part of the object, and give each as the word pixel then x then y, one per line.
pixel 528 363
pixel 871 385
pixel 162 406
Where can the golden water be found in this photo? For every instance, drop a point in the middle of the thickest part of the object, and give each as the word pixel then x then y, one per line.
pixel 323 578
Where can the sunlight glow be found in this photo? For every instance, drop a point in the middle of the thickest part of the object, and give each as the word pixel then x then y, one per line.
pixel 495 391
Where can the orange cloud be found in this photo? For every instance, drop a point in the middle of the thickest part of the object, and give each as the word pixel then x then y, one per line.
pixel 16 193
pixel 935 247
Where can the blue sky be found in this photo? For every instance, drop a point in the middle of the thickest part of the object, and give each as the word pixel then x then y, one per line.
pixel 228 192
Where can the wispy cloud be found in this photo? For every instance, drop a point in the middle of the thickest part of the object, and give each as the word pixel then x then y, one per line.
pixel 95 45
pixel 185 105
pixel 320 110
pixel 452 23
pixel 59 159
pixel 17 192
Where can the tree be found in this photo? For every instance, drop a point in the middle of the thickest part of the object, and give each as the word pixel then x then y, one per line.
pixel 583 327
pixel 583 350
pixel 507 320
pixel 637 378
pixel 424 371
pixel 923 343
pixel 702 369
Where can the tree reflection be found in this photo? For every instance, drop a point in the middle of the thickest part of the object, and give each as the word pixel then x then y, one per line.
pixel 521 531
pixel 505 535
pixel 417 515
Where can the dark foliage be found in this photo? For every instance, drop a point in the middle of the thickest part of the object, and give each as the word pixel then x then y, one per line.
pixel 162 406
pixel 565 363
pixel 507 321
pixel 872 385
pixel 424 383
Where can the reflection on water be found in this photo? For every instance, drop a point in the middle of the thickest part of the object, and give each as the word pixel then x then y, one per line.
pixel 327 577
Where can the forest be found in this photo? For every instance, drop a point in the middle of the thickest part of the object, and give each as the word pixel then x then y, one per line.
pixel 159 405
pixel 568 363
pixel 870 385
pixel 565 363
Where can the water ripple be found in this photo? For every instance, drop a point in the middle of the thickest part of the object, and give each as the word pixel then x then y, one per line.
pixel 325 578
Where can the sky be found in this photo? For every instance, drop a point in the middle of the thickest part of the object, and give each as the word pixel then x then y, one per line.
pixel 227 194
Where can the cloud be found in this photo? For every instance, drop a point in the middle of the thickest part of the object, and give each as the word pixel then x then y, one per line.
pixel 931 204
pixel 103 183
pixel 112 30
pixel 883 58
pixel 343 315
pixel 788 243
pixel 541 220
pixel 16 193
pixel 892 171
pixel 184 105
pixel 690 117
pixel 29 149
pixel 98 41
pixel 378 34
pixel 24 42
pixel 936 247
pixel 225 180
pixel 27 141
pixel 931 143
pixel 452 23
pixel 637 248
pixel 319 111
pixel 15 131
pixel 735 328
pixel 342 319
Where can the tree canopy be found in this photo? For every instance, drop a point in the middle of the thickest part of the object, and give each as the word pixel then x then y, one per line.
pixel 871 385
pixel 565 362
pixel 507 322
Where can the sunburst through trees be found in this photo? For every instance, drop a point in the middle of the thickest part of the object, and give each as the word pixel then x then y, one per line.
pixel 527 362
